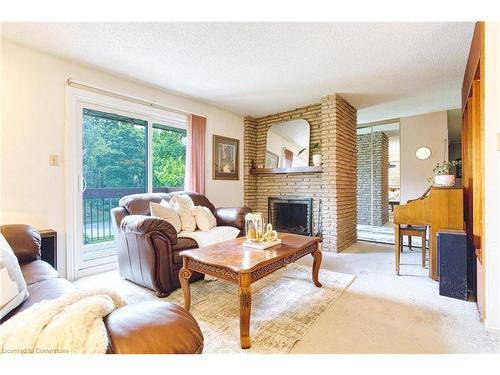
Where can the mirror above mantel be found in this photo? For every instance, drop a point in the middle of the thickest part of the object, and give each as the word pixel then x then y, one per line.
pixel 287 149
pixel 287 144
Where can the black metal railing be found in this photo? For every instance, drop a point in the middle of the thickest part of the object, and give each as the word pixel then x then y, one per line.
pixel 97 205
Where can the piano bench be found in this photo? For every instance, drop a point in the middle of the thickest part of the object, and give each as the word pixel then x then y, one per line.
pixel 411 231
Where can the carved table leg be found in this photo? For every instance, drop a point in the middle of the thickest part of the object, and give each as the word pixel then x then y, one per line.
pixel 316 266
pixel 245 294
pixel 184 276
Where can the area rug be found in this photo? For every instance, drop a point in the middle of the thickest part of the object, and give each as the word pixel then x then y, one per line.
pixel 285 305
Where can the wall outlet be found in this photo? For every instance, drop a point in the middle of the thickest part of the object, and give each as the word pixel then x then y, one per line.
pixel 53 160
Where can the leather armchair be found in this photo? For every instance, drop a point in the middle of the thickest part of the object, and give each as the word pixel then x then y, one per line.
pixel 146 255
pixel 232 216
pixel 148 247
pixel 153 327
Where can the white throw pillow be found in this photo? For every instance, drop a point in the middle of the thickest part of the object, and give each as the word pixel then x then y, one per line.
pixel 184 206
pixel 165 211
pixel 205 219
pixel 181 201
pixel 187 219
pixel 13 290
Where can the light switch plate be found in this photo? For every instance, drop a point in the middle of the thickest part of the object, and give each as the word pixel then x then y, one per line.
pixel 53 160
pixel 498 141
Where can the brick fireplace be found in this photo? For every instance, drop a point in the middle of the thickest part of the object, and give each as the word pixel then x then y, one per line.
pixel 332 124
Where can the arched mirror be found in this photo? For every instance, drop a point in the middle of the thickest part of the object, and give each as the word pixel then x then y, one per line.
pixel 287 144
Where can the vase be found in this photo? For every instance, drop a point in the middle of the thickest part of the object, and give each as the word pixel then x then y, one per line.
pixel 254 226
pixel 317 160
pixel 444 180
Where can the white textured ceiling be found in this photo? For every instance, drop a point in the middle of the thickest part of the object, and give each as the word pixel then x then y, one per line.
pixel 385 70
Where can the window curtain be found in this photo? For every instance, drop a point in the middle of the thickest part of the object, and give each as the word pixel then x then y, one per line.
pixel 195 154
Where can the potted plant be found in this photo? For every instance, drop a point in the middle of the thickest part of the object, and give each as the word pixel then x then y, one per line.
pixel 316 154
pixel 442 176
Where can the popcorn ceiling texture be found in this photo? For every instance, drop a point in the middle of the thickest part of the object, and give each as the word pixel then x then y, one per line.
pixel 333 125
pixel 257 68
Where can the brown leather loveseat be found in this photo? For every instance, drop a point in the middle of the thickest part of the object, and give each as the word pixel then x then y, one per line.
pixel 153 327
pixel 148 247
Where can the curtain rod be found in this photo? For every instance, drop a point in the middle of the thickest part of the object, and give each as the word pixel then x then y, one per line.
pixel 149 103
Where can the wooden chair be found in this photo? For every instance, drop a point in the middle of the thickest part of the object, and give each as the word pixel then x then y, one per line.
pixel 410 231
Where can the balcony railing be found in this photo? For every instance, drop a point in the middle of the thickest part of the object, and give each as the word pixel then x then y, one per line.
pixel 97 204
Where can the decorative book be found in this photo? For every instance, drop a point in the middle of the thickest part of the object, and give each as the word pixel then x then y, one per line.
pixel 261 245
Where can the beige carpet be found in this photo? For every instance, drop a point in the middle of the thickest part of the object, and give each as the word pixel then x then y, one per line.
pixel 384 313
pixel 285 305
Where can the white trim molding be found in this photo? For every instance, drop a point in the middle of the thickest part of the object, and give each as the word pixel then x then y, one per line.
pixel 492 176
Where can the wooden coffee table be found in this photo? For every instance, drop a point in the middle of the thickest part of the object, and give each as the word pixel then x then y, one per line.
pixel 232 261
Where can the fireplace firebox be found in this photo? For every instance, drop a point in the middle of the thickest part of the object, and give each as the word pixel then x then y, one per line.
pixel 291 214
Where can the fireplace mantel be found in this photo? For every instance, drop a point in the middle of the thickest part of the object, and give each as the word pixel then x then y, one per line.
pixel 309 169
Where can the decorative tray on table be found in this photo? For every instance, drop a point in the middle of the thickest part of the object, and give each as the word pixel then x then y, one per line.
pixel 261 245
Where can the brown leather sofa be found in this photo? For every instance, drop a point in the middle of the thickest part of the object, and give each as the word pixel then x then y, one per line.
pixel 154 327
pixel 148 247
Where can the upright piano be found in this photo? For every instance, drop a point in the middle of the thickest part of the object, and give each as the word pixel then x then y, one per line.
pixel 438 208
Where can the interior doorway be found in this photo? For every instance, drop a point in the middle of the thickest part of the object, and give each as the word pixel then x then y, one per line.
pixel 378 173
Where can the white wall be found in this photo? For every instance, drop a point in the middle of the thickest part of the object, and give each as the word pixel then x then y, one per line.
pixel 33 120
pixel 492 174
pixel 1 125
pixel 394 173
pixel 429 130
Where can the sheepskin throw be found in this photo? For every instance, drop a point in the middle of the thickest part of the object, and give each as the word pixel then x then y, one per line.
pixel 72 323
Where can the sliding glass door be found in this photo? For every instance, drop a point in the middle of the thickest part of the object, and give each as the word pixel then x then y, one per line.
pixel 122 153
pixel 169 158
pixel 378 180
pixel 114 164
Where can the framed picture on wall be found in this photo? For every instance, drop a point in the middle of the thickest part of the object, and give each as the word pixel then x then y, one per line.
pixel 225 158
pixel 271 160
